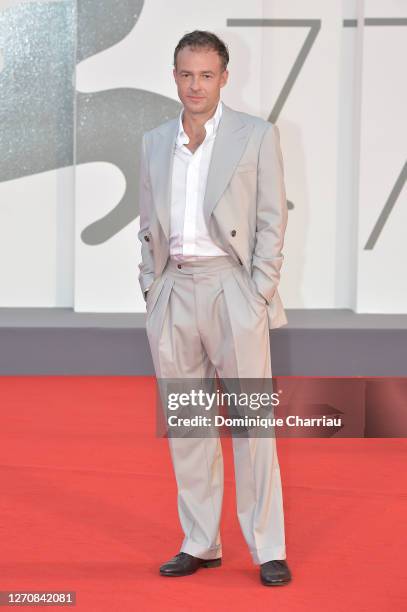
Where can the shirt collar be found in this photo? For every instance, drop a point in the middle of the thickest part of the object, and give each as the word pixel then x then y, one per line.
pixel 211 125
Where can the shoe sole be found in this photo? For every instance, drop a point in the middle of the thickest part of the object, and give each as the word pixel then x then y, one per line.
pixel 276 583
pixel 209 563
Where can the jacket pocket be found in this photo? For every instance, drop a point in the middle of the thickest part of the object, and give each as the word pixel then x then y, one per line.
pixel 250 293
pixel 153 293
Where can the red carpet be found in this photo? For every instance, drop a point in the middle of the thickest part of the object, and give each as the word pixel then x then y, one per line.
pixel 88 504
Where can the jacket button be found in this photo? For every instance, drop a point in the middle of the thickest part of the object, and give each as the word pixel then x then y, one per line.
pixel 146 238
pixel 179 266
pixel 233 233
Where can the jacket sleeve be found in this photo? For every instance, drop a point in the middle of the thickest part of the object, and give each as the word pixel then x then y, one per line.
pixel 146 267
pixel 272 215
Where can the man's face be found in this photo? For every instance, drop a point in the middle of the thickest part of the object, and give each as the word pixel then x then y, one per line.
pixel 199 76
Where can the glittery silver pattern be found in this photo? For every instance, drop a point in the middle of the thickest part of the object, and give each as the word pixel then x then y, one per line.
pixel 36 93
pixel 40 42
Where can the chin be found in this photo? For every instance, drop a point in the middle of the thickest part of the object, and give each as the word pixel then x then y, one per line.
pixel 196 106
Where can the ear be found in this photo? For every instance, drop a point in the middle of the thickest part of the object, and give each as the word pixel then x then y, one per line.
pixel 224 78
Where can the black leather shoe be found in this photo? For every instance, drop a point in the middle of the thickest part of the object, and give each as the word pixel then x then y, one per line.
pixel 275 573
pixel 184 564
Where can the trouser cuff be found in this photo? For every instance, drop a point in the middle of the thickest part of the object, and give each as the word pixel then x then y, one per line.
pixel 262 555
pixel 199 550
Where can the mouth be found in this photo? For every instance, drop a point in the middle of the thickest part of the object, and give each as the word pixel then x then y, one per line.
pixel 195 97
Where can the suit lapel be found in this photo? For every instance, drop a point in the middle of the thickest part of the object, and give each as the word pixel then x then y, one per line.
pixel 161 164
pixel 230 142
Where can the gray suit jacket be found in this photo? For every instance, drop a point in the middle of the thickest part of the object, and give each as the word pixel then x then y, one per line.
pixel 245 204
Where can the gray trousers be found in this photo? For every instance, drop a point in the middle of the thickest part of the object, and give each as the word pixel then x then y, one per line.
pixel 205 316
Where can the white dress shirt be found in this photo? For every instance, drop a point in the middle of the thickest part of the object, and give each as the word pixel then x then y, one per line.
pixel 189 236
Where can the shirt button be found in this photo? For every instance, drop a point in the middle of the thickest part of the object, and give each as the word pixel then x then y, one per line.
pixel 179 266
pixel 233 233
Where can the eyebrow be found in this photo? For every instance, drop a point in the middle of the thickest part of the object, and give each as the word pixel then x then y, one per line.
pixel 202 71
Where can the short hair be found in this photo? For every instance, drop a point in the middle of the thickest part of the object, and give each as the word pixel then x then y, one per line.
pixel 203 39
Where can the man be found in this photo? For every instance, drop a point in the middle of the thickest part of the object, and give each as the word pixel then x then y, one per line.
pixel 213 214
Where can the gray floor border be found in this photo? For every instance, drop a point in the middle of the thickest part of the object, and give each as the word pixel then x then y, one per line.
pixel 45 341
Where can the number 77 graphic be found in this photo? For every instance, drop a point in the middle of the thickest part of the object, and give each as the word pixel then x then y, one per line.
pixel 314 26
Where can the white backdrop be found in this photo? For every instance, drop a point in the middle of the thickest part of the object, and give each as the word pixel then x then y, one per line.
pixel 382 254
pixel 343 134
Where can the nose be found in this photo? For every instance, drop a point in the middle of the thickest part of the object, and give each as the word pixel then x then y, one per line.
pixel 195 84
